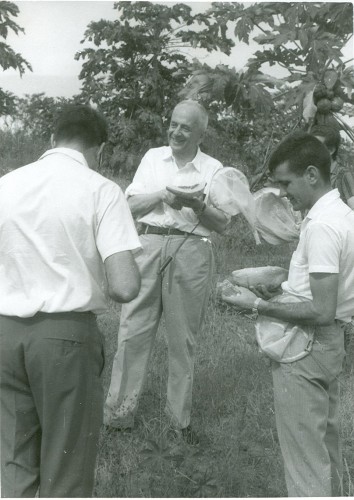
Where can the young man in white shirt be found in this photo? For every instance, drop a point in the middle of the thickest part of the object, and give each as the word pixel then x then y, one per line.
pixel 306 392
pixel 66 241
pixel 182 291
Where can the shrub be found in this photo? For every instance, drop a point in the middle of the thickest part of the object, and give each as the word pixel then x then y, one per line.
pixel 18 149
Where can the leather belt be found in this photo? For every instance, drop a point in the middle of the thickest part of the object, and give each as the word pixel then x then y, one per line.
pixel 163 231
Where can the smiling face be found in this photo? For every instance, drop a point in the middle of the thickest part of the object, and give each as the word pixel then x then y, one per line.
pixel 185 132
pixel 297 188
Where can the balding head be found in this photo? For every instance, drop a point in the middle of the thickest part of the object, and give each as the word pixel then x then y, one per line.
pixel 188 124
pixel 198 109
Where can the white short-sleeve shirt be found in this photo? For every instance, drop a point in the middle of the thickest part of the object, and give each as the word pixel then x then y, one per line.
pixel 157 170
pixel 59 221
pixel 326 245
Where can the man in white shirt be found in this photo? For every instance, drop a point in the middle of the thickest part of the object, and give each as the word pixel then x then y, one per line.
pixel 182 290
pixel 66 241
pixel 306 392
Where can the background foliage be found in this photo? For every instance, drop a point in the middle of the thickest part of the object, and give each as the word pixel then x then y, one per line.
pixel 137 67
pixel 8 57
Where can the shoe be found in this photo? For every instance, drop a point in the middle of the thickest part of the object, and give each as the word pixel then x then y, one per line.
pixel 190 436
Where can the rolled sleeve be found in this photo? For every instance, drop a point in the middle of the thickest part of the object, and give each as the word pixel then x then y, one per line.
pixel 135 188
pixel 115 226
pixel 324 248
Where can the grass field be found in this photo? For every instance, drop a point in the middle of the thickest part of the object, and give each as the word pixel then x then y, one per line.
pixel 239 454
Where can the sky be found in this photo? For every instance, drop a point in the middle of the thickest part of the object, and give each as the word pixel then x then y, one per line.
pixel 53 30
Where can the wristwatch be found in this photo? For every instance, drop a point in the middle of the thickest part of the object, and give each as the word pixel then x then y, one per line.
pixel 255 306
pixel 199 211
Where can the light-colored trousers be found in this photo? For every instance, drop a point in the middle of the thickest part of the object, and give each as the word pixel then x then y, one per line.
pixel 306 400
pixel 51 404
pixel 181 293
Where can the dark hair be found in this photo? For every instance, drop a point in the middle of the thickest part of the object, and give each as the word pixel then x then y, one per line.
pixel 82 123
pixel 330 135
pixel 300 150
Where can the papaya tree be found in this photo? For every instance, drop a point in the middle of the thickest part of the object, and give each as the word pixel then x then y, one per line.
pixel 131 70
pixel 8 57
pixel 244 120
pixel 306 39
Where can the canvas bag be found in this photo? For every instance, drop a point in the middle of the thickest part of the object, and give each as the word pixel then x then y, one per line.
pixel 282 341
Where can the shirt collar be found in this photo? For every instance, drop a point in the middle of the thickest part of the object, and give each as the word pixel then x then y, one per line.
pixel 71 153
pixel 322 203
pixel 196 162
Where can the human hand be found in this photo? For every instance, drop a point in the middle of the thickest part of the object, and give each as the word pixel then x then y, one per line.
pixel 265 292
pixel 195 202
pixel 226 288
pixel 171 199
pixel 243 299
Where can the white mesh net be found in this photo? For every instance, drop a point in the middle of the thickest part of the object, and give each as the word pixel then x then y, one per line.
pixel 230 192
pixel 276 221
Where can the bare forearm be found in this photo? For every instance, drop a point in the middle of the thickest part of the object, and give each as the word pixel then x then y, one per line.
pixel 142 204
pixel 304 313
pixel 213 219
pixel 123 276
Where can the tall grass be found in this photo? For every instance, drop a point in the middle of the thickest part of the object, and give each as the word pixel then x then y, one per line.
pixel 239 454
pixel 18 148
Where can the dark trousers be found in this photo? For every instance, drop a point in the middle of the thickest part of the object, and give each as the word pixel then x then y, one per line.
pixel 51 404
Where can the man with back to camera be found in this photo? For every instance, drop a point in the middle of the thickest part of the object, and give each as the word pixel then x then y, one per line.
pixel 306 392
pixel 66 241
pixel 182 291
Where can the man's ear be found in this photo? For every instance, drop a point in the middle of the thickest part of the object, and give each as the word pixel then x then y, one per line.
pixel 53 142
pixel 313 174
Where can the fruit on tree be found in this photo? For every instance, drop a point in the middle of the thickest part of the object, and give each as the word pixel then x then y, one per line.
pixel 324 106
pixel 337 104
pixel 330 94
pixel 319 92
